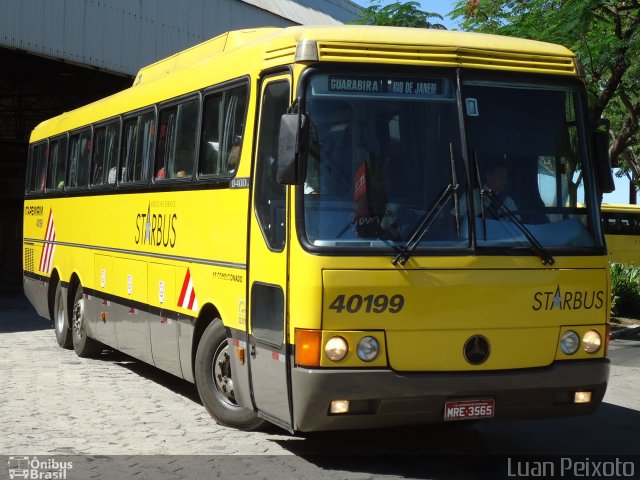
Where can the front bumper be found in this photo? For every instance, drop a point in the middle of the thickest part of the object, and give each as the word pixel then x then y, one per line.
pixel 383 398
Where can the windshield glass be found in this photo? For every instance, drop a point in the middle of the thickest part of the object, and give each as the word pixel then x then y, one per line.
pixel 526 144
pixel 384 148
pixel 381 153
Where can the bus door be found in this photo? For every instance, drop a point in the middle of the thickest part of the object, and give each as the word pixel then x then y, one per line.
pixel 269 359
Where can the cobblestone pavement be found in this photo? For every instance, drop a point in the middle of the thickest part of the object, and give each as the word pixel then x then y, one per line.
pixel 53 403
pixel 61 406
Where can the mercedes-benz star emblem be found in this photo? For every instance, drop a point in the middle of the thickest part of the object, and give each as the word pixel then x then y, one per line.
pixel 477 349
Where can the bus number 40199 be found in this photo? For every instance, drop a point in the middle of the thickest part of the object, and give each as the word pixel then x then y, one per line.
pixel 371 303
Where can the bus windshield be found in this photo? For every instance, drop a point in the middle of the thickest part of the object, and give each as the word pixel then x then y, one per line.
pixel 384 148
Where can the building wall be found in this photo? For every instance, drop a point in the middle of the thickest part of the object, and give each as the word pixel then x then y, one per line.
pixel 122 35
pixel 56 55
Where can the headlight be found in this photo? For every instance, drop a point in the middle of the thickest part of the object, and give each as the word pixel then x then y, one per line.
pixel 368 349
pixel 591 341
pixel 570 342
pixel 336 348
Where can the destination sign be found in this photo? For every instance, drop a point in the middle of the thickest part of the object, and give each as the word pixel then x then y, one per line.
pixel 403 86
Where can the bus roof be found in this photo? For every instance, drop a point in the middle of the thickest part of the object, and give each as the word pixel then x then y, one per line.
pixel 251 50
pixel 618 207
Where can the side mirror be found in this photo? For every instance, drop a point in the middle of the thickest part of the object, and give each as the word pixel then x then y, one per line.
pixel 603 161
pixel 292 149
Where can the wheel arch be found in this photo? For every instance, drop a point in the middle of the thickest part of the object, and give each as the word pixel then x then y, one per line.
pixel 208 313
pixel 51 291
pixel 74 283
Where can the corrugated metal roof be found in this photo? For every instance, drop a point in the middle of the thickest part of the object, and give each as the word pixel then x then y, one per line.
pixel 311 12
pixel 123 35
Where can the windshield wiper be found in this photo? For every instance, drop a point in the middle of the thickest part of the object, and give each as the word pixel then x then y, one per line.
pixel 454 180
pixel 424 225
pixel 482 211
pixel 547 259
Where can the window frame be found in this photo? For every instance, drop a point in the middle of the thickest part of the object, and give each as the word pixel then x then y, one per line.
pixel 117 120
pixel 217 89
pixel 195 181
pixel 146 169
pixel 78 131
pixel 32 164
pixel 175 102
pixel 58 138
pixel 273 79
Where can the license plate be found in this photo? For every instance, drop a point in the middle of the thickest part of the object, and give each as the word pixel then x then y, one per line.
pixel 469 409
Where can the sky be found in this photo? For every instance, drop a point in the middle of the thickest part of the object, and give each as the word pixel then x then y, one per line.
pixel 443 7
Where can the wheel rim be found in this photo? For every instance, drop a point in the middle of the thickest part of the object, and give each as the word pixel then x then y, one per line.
pixel 221 370
pixel 78 318
pixel 59 314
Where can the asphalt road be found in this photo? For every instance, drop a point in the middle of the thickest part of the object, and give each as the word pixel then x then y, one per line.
pixel 116 417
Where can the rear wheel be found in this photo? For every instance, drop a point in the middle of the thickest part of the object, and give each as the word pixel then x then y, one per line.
pixel 82 344
pixel 61 319
pixel 215 384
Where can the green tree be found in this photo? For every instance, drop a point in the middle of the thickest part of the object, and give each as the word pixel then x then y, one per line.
pixel 398 14
pixel 605 34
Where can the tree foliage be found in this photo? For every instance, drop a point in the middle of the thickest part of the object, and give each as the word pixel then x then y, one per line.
pixel 398 14
pixel 625 290
pixel 605 34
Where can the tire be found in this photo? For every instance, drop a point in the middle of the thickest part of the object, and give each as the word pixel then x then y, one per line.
pixel 213 379
pixel 61 319
pixel 82 344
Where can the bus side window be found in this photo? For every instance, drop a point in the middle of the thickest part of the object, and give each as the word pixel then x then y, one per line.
pixel 177 136
pixel 97 166
pixel 111 153
pixel 37 174
pixel 235 107
pixel 79 150
pixel 210 143
pixel 137 148
pixel 269 194
pixel 130 138
pixel 105 154
pixel 57 164
pixel 222 131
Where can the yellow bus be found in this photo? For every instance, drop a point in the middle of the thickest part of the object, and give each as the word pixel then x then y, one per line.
pixel 283 217
pixel 621 225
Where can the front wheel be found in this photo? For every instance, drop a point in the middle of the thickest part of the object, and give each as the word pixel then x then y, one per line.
pixel 61 319
pixel 82 344
pixel 214 382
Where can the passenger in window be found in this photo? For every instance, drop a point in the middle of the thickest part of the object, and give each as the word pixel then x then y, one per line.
pixel 496 180
pixel 234 159
pixel 234 155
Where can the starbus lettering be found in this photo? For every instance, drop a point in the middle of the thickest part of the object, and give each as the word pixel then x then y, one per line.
pixel 157 229
pixel 568 300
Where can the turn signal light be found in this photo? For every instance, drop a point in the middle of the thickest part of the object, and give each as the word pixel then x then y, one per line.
pixel 307 347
